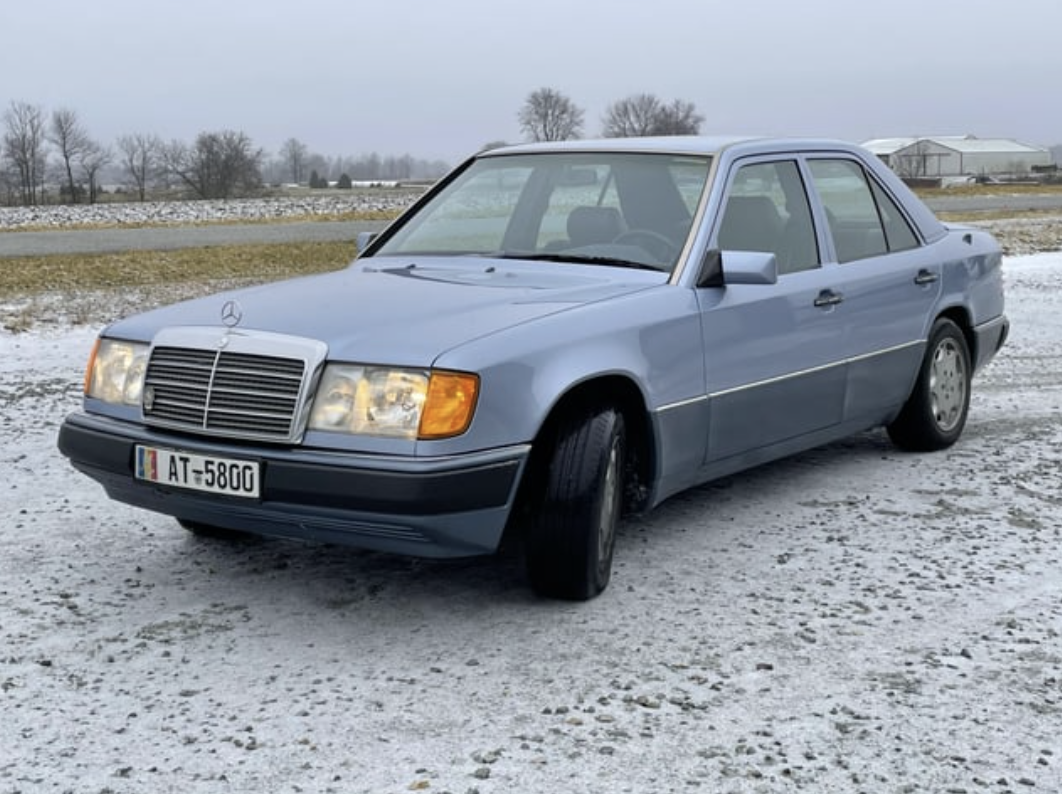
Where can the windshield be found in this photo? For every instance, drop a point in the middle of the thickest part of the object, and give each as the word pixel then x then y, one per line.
pixel 632 209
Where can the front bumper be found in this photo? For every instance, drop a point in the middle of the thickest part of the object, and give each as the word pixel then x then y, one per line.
pixel 450 506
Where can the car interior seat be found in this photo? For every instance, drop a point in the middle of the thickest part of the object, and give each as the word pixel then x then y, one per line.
pixel 594 225
pixel 750 223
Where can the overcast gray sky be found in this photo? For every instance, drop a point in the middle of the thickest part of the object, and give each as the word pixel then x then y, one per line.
pixel 439 78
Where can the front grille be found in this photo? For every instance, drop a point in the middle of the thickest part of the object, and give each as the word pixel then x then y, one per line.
pixel 224 393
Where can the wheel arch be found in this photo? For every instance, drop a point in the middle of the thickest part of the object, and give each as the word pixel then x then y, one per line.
pixel 623 393
pixel 961 317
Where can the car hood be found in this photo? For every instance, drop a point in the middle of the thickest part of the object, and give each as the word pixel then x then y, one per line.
pixel 397 311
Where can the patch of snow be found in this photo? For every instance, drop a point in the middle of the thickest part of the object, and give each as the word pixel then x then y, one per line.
pixel 379 199
pixel 850 619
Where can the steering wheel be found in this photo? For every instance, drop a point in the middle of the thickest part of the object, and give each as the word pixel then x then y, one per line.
pixel 648 240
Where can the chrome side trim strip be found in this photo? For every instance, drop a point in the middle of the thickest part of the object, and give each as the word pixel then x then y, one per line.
pixel 789 376
pixel 887 350
pixel 682 403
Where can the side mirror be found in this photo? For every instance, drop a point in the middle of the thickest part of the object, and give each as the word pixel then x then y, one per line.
pixel 737 267
pixel 711 272
pixel 750 267
pixel 364 240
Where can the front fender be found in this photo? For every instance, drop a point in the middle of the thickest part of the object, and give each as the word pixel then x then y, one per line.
pixel 651 337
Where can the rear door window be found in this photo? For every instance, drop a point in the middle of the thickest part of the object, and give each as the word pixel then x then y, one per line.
pixel 863 220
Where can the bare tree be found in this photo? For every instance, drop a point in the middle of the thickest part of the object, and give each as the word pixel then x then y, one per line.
pixel 645 114
pixel 367 167
pixel 23 149
pixel 678 118
pixel 92 159
pixel 319 163
pixel 71 141
pixel 220 164
pixel 8 182
pixel 140 159
pixel 293 154
pixel 634 116
pixel 397 168
pixel 548 115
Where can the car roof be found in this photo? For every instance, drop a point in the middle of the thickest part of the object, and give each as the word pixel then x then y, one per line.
pixel 679 144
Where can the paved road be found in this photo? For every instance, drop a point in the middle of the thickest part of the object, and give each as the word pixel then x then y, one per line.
pixel 93 241
pixel 77 241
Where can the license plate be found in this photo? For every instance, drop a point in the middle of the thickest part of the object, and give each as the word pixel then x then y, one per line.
pixel 227 476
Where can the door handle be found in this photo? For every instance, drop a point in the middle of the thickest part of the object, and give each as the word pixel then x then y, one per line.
pixel 925 277
pixel 828 298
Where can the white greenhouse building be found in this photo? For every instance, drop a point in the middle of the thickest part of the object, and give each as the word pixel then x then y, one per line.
pixel 959 156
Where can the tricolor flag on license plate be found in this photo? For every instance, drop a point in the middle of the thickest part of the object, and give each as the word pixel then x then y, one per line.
pixel 147 464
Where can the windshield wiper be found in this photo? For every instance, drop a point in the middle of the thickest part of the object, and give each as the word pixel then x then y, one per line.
pixel 579 259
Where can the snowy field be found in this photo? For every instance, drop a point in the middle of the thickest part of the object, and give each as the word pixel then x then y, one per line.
pixel 854 619
pixel 163 213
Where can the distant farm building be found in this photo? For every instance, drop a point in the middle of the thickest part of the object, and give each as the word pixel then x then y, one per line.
pixel 959 156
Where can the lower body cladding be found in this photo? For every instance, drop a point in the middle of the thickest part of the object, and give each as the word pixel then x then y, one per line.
pixel 423 507
pixel 989 337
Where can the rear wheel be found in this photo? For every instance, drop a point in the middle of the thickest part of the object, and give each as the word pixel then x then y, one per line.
pixel 935 414
pixel 572 533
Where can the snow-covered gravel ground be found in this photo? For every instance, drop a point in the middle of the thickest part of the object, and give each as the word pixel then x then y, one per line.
pixel 854 619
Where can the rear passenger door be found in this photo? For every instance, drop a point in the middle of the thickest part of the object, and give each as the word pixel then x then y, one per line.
pixel 885 286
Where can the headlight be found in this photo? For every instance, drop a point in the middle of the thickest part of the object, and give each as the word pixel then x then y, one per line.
pixel 115 371
pixel 397 403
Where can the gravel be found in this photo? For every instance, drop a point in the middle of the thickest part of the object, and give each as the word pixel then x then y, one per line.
pixel 1029 235
pixel 853 619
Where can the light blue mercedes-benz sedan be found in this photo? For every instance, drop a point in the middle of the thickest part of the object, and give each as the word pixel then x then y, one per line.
pixel 553 336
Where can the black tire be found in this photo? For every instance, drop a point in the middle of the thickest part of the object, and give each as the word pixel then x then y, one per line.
pixel 212 532
pixel 935 414
pixel 572 532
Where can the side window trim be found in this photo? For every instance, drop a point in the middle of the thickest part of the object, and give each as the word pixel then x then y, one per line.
pixel 823 233
pixel 868 183
pixel 802 188
pixel 878 193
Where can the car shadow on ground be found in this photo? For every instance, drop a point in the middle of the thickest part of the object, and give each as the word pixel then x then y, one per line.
pixel 338 577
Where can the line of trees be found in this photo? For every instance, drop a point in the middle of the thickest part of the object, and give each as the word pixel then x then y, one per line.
pixel 296 164
pixel 549 115
pixel 50 157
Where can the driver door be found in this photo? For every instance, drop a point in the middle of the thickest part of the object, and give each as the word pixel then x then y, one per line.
pixel 774 368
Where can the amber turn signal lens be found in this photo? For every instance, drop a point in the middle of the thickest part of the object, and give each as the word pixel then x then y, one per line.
pixel 449 406
pixel 91 366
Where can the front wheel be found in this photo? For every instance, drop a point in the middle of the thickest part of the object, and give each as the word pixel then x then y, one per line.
pixel 571 537
pixel 935 414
